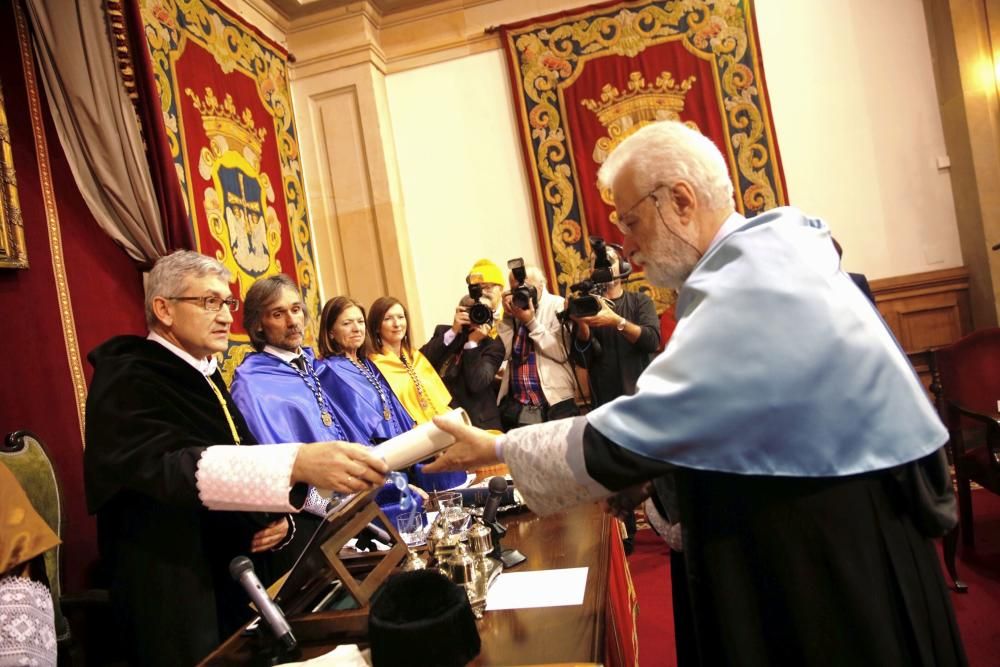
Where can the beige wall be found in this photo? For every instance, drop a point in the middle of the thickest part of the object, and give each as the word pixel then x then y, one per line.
pixel 856 113
pixel 464 185
pixel 853 99
pixel 854 107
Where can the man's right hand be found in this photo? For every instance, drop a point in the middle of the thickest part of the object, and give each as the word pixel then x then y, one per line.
pixel 473 448
pixel 625 501
pixel 343 467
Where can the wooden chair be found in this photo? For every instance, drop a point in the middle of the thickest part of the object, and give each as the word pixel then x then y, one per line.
pixel 26 457
pixel 969 380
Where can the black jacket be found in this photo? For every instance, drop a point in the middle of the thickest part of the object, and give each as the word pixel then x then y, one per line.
pixel 468 374
pixel 613 364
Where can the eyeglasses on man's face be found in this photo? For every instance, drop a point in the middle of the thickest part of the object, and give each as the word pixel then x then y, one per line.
pixel 625 220
pixel 212 304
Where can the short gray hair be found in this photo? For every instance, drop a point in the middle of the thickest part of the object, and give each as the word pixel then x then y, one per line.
pixel 170 273
pixel 666 153
pixel 535 276
pixel 261 295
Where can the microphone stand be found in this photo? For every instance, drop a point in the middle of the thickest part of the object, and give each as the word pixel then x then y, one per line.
pixel 509 557
pixel 269 650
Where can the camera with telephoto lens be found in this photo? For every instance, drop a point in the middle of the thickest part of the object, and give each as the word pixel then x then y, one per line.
pixel 523 296
pixel 586 297
pixel 479 312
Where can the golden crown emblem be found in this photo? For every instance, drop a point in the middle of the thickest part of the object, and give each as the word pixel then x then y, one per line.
pixel 664 100
pixel 223 120
pixel 624 113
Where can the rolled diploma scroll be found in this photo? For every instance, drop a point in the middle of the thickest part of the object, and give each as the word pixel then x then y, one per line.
pixel 418 443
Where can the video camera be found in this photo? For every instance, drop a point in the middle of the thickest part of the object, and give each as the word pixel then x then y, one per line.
pixel 586 296
pixel 523 295
pixel 479 312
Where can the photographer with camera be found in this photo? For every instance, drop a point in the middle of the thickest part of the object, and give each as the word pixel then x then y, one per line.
pixel 538 383
pixel 465 354
pixel 617 343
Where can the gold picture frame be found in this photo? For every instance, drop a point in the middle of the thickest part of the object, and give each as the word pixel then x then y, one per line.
pixel 13 251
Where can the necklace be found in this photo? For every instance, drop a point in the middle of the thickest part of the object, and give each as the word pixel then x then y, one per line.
pixel 373 381
pixel 421 395
pixel 312 382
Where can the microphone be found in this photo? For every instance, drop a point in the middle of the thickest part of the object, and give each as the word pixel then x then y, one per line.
pixel 478 495
pixel 508 557
pixel 498 487
pixel 241 570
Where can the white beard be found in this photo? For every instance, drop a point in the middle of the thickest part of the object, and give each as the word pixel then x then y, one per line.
pixel 667 264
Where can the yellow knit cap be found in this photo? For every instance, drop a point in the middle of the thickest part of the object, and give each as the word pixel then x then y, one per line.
pixel 489 271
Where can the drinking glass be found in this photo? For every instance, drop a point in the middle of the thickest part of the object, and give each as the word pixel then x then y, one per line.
pixel 411 528
pixel 450 506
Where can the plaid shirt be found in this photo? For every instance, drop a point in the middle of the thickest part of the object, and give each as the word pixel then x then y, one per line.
pixel 525 387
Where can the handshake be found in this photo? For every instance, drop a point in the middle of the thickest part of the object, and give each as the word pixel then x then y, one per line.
pixel 346 467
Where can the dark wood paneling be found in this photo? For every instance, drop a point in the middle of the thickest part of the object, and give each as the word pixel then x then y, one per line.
pixel 925 311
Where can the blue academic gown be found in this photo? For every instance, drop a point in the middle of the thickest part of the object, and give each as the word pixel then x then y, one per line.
pixel 779 365
pixel 279 407
pixel 360 403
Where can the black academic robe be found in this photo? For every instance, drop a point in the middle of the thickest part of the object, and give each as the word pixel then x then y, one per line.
pixel 808 571
pixel 150 416
pixel 468 374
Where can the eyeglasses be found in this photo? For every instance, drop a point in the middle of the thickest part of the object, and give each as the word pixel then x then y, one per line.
pixel 212 304
pixel 624 228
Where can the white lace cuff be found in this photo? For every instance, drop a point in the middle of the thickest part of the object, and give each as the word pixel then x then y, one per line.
pixel 27 624
pixel 315 503
pixel 546 462
pixel 247 478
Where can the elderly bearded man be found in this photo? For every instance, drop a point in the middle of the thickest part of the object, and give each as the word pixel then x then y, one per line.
pixel 160 457
pixel 808 459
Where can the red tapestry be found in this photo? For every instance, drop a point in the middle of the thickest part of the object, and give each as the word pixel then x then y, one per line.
pixel 223 89
pixel 585 81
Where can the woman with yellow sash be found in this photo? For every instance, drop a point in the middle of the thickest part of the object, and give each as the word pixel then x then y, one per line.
pixel 410 375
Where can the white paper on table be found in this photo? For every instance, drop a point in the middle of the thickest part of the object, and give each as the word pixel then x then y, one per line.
pixel 539 588
pixel 346 655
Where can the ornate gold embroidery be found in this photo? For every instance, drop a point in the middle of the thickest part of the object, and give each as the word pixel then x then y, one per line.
pixel 13 250
pixel 238 202
pixel 234 357
pixel 170 25
pixel 550 57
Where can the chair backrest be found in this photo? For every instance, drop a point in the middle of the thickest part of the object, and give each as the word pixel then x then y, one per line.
pixel 969 371
pixel 23 453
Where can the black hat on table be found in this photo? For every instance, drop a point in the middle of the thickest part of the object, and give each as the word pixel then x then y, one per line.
pixel 422 619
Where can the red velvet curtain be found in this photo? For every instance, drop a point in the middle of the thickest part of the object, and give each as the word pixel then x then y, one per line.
pixel 70 257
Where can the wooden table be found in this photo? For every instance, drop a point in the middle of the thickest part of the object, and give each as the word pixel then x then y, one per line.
pixel 550 635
